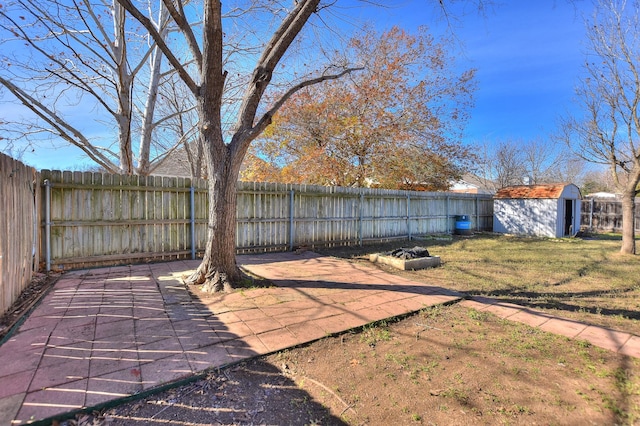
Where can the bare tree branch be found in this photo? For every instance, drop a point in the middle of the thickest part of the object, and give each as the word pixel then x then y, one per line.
pixel 272 53
pixel 158 39
pixel 63 129
pixel 268 116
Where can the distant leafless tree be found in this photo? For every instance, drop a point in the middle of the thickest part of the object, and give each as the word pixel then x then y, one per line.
pixel 78 69
pixel 608 131
pixel 531 162
pixel 500 165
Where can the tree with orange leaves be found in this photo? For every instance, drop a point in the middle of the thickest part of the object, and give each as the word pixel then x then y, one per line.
pixel 396 124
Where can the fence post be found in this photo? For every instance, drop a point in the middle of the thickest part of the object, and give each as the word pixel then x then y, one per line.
pixel 291 212
pixel 193 222
pixel 360 218
pixel 409 216
pixel 47 223
pixel 36 226
pixel 447 213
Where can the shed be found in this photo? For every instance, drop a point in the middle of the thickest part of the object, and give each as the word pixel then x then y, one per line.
pixel 551 210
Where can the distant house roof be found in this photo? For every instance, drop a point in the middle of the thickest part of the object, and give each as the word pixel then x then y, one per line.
pixel 602 195
pixel 532 191
pixel 175 165
pixel 471 183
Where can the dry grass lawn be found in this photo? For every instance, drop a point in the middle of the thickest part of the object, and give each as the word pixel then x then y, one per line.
pixel 582 279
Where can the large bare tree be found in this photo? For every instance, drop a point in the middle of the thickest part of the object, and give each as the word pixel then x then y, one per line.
pixel 608 131
pixel 206 78
pixel 71 63
pixel 227 59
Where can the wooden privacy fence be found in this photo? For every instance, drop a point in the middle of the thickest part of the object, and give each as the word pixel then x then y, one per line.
pixel 605 215
pixel 99 219
pixel 281 217
pixel 19 226
pixel 93 219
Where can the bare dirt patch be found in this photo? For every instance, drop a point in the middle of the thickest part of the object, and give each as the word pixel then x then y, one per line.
pixel 40 284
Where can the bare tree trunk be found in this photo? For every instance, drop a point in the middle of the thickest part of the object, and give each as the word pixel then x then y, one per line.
pixel 628 232
pixel 124 83
pixel 146 133
pixel 218 270
pixel 144 164
pixel 194 155
pixel 124 130
pixel 219 262
pixel 628 214
pixel 155 63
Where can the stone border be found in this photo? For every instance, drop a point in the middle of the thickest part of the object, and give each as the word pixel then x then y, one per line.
pixel 406 264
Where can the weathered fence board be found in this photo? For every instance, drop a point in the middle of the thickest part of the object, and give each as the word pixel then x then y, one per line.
pixel 18 228
pixel 263 216
pixel 97 217
pixel 605 215
pixel 329 216
pixel 100 219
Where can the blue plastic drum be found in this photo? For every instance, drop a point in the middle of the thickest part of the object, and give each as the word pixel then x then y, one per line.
pixel 463 225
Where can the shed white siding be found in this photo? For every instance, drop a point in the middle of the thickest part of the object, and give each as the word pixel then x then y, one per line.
pixel 551 211
pixel 525 217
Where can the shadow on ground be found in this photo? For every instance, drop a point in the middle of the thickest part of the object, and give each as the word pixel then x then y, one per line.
pixel 549 300
pixel 254 392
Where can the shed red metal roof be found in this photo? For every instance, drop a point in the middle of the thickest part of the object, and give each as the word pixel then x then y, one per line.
pixel 532 191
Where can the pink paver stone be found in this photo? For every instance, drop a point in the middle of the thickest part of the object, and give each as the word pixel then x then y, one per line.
pixel 531 318
pixel 278 339
pixel 165 370
pixel 306 332
pixel 604 338
pixel 503 310
pixel 563 327
pixel 631 347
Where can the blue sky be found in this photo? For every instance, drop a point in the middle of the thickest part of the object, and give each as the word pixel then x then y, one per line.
pixel 528 56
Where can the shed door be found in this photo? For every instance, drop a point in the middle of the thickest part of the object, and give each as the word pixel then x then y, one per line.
pixel 568 217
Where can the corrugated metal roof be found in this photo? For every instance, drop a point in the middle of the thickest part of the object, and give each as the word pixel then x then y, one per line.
pixel 532 191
